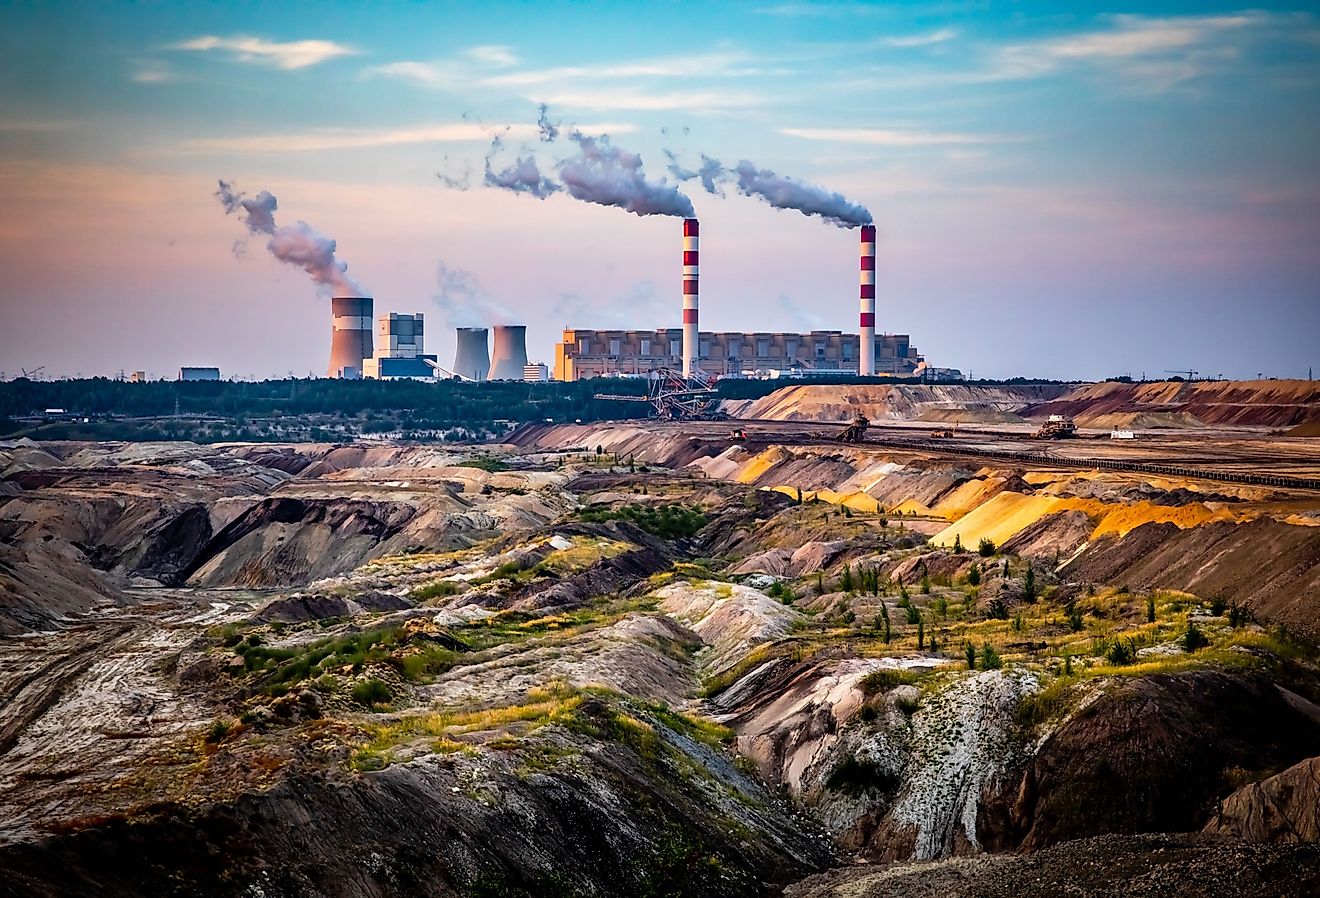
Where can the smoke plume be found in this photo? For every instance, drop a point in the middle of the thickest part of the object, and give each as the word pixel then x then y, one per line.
pixel 297 244
pixel 611 176
pixel 711 173
pixel 785 193
pixel 462 300
pixel 549 130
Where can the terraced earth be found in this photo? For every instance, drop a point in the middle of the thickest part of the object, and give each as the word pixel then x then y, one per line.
pixel 648 660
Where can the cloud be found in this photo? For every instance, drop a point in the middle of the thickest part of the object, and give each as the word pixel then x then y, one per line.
pixel 699 65
pixel 288 56
pixel 494 54
pixel 707 101
pixel 151 71
pixel 1163 51
pixel 921 40
pixel 452 132
pixel 818 10
pixel 893 137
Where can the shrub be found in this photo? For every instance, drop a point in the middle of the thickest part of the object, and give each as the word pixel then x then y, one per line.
pixel 974 575
pixel 846 579
pixel 957 543
pixel 913 614
pixel 436 590
pixel 969 652
pixel 1150 608
pixel 990 659
pixel 1217 607
pixel 1017 622
pixel 997 610
pixel 986 547
pixel 782 591
pixel 1075 619
pixel 1029 585
pixel 372 692
pixel 1194 639
pixel 925 583
pixel 885 679
pixel 1119 652
pixel 921 634
pixel 219 730
pixel 941 606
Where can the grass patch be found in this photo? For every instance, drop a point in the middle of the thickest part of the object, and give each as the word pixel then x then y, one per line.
pixel 885 679
pixel 666 521
pixel 485 463
pixel 437 590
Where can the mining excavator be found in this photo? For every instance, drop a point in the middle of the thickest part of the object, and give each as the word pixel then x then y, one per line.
pixel 856 431
pixel 1058 427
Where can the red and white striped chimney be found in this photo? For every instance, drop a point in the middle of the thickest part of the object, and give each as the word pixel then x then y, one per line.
pixel 690 267
pixel 866 357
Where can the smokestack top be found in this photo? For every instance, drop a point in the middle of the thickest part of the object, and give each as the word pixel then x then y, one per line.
pixel 690 227
pixel 868 233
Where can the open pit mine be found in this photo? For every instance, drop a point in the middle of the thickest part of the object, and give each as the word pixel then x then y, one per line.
pixel 717 658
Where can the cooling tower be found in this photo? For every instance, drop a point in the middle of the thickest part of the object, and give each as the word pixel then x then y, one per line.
pixel 472 358
pixel 350 340
pixel 690 277
pixel 508 354
pixel 866 358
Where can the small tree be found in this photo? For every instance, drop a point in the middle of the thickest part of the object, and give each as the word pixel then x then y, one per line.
pixel 969 652
pixel 1029 585
pixel 974 575
pixel 921 634
pixel 820 583
pixel 986 547
pixel 925 583
pixel 1194 639
pixel 1150 608
pixel 957 543
pixel 913 614
pixel 1017 622
pixel 1075 619
pixel 889 636
pixel 934 646
pixel 1067 665
pixel 846 579
pixel 990 659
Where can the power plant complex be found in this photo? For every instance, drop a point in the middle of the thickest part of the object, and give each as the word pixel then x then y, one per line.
pixel 499 352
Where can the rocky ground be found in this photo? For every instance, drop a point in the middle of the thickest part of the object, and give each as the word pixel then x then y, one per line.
pixel 632 661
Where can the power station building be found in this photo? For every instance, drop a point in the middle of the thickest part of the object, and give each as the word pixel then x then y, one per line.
pixel 350 335
pixel 399 344
pixel 586 353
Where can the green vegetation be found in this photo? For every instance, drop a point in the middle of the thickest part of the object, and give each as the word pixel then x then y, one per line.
pixel 986 548
pixel 666 521
pixel 990 659
pixel 782 591
pixel 885 679
pixel 484 463
pixel 372 692
pixel 437 590
pixel 219 730
pixel 974 575
pixel 1194 639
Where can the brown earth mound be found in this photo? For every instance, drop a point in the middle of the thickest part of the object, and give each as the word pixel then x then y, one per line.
pixel 1272 567
pixel 1271 403
pixel 1283 808
pixel 897 402
pixel 1309 429
pixel 1152 756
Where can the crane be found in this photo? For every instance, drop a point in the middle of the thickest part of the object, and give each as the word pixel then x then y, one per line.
pixel 32 375
pixel 673 396
pixel 1188 374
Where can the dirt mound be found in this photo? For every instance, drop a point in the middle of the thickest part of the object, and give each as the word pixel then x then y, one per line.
pixel 1309 429
pixel 1272 567
pixel 1283 808
pixel 1156 866
pixel 1151 756
pixel 1271 403
pixel 897 402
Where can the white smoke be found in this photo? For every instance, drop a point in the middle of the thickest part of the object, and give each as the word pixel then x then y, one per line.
pixel 523 176
pixel 711 174
pixel 298 244
pixel 607 175
pixel 463 301
pixel 785 193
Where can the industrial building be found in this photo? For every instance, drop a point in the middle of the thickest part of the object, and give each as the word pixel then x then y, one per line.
pixel 536 373
pixel 584 353
pixel 350 335
pixel 199 374
pixel 399 349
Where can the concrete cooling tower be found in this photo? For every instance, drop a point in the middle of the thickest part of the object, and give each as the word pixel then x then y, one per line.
pixel 509 354
pixel 472 358
pixel 350 340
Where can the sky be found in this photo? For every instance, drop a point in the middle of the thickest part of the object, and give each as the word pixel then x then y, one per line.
pixel 1072 191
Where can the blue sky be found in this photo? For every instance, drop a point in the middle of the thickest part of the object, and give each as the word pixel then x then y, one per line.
pixel 1060 190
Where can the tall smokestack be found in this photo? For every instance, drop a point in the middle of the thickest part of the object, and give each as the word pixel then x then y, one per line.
pixel 866 358
pixel 350 340
pixel 690 278
pixel 472 358
pixel 508 355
